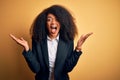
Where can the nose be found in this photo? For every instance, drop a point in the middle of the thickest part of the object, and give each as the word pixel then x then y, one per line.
pixel 53 21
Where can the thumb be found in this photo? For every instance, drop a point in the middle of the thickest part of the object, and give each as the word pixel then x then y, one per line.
pixel 22 38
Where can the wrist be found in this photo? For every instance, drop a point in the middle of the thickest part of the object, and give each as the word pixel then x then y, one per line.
pixel 26 48
pixel 78 49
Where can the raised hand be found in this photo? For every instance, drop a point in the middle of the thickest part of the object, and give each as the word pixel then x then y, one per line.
pixel 21 42
pixel 82 40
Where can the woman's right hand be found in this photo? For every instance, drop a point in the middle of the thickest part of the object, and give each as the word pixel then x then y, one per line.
pixel 21 41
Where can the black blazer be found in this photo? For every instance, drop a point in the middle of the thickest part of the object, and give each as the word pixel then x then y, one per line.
pixel 66 59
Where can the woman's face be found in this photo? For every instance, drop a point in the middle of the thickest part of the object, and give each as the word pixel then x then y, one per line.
pixel 53 26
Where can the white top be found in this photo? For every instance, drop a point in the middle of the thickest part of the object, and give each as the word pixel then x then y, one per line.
pixel 52 50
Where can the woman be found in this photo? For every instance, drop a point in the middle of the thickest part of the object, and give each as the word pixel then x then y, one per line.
pixel 52 55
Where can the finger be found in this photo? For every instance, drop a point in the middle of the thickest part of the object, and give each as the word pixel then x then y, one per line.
pixel 81 37
pixel 84 37
pixel 22 39
pixel 13 37
pixel 87 35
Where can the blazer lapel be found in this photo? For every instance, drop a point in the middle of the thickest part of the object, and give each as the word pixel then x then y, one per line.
pixel 45 52
pixel 61 53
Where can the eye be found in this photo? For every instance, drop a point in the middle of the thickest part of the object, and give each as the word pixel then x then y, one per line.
pixel 49 19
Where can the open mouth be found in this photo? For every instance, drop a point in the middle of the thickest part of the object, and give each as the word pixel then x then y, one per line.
pixel 53 28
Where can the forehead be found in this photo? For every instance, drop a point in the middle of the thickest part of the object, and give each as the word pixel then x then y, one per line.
pixel 50 16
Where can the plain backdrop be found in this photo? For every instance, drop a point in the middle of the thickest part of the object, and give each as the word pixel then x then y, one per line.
pixel 101 52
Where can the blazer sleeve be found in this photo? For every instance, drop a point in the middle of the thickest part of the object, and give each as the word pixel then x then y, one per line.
pixel 31 58
pixel 72 58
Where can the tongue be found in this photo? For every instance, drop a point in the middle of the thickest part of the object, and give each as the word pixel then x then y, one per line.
pixel 53 30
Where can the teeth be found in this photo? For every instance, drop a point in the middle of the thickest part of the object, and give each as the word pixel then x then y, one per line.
pixel 53 27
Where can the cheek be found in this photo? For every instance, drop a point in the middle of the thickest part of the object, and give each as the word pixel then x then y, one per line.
pixel 59 26
pixel 48 25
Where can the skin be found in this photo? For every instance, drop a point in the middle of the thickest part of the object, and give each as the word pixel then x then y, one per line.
pixel 53 27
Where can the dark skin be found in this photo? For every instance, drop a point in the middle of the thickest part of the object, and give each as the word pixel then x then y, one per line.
pixel 53 27
pixel 24 43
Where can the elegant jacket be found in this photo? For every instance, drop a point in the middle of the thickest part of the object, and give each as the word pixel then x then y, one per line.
pixel 66 59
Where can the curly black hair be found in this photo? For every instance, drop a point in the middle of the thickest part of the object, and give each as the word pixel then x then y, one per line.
pixel 68 29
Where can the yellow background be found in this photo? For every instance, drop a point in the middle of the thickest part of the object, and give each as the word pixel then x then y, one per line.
pixel 101 52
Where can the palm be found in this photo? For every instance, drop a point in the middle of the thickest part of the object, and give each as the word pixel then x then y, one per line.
pixel 20 41
pixel 82 40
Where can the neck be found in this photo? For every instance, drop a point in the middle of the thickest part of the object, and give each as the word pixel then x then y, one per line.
pixel 52 36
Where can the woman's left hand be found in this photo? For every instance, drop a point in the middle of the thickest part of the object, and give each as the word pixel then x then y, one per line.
pixel 82 40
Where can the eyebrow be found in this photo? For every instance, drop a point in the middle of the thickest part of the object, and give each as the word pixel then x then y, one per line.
pixel 49 17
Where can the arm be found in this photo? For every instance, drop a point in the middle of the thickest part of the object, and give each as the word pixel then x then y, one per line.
pixel 73 56
pixel 31 58
pixel 30 55
pixel 72 59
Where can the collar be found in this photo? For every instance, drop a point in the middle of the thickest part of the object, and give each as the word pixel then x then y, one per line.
pixel 57 38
